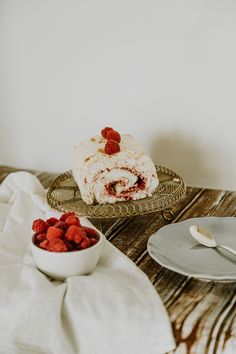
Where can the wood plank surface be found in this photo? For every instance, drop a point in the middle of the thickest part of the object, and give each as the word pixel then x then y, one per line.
pixel 202 313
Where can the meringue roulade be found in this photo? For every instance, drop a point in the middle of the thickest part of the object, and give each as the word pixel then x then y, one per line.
pixel 102 178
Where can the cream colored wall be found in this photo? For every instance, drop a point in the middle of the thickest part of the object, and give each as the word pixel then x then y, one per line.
pixel 163 71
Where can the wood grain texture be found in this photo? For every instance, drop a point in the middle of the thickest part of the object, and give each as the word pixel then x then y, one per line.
pixel 203 314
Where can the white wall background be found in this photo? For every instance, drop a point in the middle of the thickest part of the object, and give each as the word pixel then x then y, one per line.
pixel 164 71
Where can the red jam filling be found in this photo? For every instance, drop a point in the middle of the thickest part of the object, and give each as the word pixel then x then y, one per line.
pixel 139 185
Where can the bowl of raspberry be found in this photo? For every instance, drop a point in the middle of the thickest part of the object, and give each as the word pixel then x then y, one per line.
pixel 64 247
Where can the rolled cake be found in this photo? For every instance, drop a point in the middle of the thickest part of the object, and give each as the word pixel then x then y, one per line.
pixel 125 175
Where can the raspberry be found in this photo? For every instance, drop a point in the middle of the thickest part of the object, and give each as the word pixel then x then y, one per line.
pixel 51 221
pixel 105 131
pixel 44 244
pixel 85 243
pixel 69 244
pixel 61 225
pixel 90 232
pixel 56 245
pixel 72 220
pixel 54 232
pixel 40 237
pixel 75 233
pixel 39 226
pixel 113 135
pixel 65 234
pixel 112 147
pixel 66 215
pixel 79 237
pixel 93 241
pixel 71 232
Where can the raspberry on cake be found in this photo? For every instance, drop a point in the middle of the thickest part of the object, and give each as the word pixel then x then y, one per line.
pixel 113 135
pixel 111 147
pixel 105 131
pixel 112 169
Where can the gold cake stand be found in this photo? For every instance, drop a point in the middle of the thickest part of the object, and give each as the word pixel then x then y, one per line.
pixel 64 195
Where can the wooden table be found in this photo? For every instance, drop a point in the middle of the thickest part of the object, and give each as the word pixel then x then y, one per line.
pixel 203 314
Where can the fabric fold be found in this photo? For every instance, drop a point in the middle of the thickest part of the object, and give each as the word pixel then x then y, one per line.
pixel 113 310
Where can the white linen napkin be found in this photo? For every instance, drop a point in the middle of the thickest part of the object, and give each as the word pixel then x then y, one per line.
pixel 114 310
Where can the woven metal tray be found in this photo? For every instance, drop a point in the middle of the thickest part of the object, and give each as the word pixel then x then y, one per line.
pixel 64 195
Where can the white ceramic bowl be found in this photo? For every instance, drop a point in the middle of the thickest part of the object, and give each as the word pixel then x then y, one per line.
pixel 60 265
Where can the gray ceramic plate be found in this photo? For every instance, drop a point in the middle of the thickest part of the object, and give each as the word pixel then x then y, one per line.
pixel 173 247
